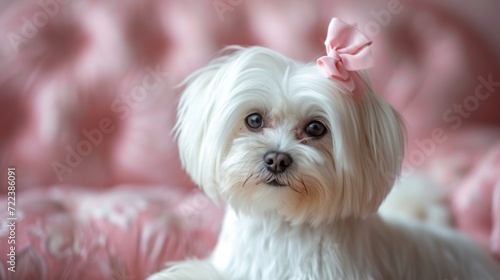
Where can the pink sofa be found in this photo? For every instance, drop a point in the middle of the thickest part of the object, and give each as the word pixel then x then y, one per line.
pixel 87 104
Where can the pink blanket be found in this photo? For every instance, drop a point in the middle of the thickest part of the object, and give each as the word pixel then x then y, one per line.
pixel 88 97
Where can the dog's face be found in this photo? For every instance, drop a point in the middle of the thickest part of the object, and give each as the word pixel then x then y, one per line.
pixel 273 136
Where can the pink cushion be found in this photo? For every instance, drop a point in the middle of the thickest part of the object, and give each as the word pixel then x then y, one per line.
pixel 128 231
pixel 477 202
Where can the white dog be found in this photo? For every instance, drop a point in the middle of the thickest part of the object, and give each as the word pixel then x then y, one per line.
pixel 304 162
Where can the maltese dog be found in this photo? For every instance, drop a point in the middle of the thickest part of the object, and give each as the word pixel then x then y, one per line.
pixel 304 155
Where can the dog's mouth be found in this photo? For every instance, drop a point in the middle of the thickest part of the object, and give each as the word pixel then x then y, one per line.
pixel 275 183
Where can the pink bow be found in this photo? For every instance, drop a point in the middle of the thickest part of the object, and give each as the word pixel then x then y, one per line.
pixel 347 49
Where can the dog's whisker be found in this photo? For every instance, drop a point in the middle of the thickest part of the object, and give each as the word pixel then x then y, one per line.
pixel 305 187
pixel 246 180
pixel 294 189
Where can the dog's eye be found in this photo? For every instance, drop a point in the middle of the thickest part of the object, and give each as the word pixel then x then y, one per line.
pixel 316 129
pixel 254 121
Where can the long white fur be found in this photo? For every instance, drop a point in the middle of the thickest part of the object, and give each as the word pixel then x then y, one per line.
pixel 323 224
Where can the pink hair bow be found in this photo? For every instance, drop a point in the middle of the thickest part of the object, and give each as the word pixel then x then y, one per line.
pixel 347 50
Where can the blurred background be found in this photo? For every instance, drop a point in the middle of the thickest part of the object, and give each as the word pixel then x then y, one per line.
pixel 87 104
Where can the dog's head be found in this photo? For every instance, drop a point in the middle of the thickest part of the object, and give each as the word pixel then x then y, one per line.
pixel 271 135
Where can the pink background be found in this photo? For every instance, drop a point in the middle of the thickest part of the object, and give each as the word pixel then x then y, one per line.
pixel 126 206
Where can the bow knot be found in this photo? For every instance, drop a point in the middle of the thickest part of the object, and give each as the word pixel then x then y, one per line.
pixel 348 50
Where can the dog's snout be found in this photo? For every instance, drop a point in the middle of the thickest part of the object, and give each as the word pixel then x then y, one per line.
pixel 277 162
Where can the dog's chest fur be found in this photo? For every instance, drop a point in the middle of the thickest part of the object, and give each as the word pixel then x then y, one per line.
pixel 267 249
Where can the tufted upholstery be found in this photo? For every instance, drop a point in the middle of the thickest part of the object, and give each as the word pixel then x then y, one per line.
pixel 87 104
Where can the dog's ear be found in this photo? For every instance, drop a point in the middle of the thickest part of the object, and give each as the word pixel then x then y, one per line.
pixel 196 110
pixel 193 115
pixel 369 151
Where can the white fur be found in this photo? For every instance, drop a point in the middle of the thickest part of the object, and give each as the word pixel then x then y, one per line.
pixel 416 197
pixel 323 224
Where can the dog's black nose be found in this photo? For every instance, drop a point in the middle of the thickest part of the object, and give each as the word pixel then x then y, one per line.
pixel 277 162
